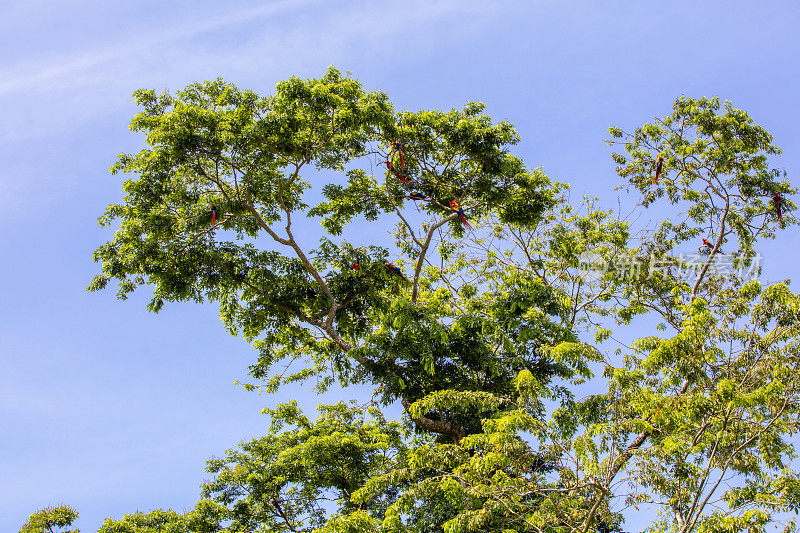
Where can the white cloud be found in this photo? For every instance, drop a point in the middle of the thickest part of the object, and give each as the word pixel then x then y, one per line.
pixel 31 76
pixel 257 45
pixel 61 113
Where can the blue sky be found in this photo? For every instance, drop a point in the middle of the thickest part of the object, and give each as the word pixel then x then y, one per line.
pixel 110 409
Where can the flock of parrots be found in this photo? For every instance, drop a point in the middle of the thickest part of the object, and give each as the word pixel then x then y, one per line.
pixel 397 148
pixel 777 201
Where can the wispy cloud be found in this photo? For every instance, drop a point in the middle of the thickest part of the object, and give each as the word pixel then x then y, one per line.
pixel 259 44
pixel 340 24
pixel 33 75
pixel 82 95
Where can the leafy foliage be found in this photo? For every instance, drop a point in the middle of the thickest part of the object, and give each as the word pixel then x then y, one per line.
pixel 50 520
pixel 489 338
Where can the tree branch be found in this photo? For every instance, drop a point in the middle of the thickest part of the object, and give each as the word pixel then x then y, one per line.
pixel 454 431
pixel 423 251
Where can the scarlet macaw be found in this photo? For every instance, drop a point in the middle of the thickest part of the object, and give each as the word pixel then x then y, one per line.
pixel 417 196
pixel 394 171
pixel 455 207
pixel 659 164
pixel 396 270
pixel 398 145
pixel 277 504
pixel 213 216
pixel 777 199
pixel 708 246
pixel 357 269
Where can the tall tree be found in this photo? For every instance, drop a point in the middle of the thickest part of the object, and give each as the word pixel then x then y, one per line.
pixel 487 337
pixel 51 520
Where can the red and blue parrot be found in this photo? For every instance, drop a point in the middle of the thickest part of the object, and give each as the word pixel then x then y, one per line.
pixel 394 171
pixel 398 145
pixel 213 216
pixel 396 270
pixel 277 504
pixel 357 269
pixel 659 164
pixel 461 216
pixel 777 199
pixel 708 246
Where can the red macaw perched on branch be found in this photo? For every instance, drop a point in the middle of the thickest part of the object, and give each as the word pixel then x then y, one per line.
pixel 396 270
pixel 417 196
pixel 398 145
pixel 394 171
pixel 213 216
pixel 357 269
pixel 708 246
pixel 461 216
pixel 659 164
pixel 277 504
pixel 777 199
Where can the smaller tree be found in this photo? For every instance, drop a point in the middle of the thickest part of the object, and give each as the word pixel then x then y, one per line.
pixel 204 518
pixel 50 520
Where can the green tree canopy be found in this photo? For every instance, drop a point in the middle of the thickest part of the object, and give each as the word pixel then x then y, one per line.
pixel 51 520
pixel 537 396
